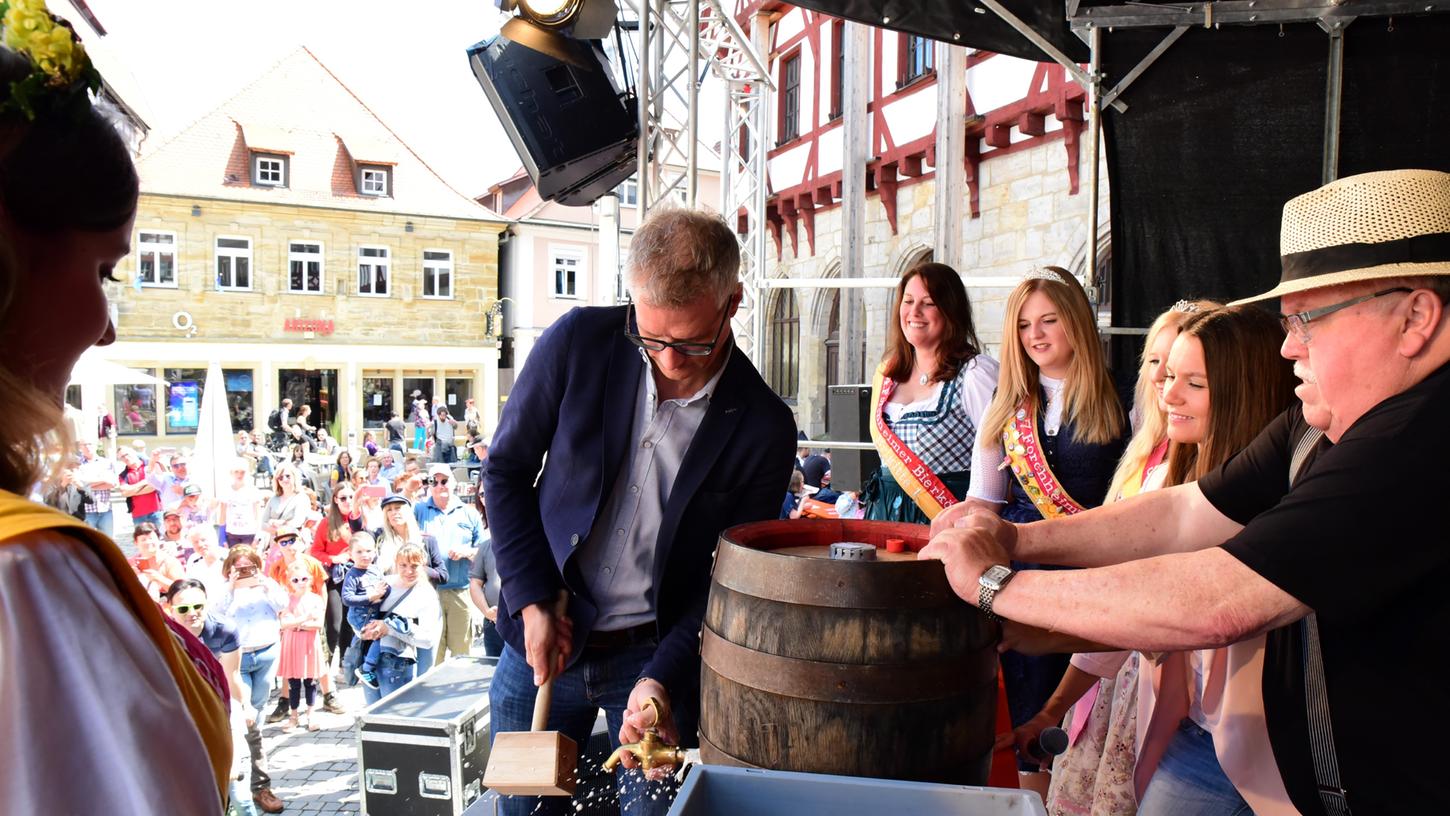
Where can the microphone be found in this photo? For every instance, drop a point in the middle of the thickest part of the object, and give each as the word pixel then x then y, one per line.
pixel 1051 742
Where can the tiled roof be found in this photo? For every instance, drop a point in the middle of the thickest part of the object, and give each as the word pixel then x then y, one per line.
pixel 302 110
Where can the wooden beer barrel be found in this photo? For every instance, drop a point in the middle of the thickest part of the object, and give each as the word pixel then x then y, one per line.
pixel 861 668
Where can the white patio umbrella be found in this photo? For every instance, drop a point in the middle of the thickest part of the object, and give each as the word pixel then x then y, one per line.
pixel 92 369
pixel 216 447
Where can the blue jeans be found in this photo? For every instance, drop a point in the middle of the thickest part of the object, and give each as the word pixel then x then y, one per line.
pixel 492 640
pixel 258 669
pixel 1189 781
pixel 104 521
pixel 425 660
pixel 590 684
pixel 153 518
pixel 393 673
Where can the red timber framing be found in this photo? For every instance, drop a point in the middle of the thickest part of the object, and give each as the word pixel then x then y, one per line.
pixel 893 165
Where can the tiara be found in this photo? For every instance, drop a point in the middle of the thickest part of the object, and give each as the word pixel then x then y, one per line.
pixel 1185 306
pixel 61 73
pixel 1043 273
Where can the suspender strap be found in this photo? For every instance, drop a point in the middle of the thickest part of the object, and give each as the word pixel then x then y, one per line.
pixel 1316 695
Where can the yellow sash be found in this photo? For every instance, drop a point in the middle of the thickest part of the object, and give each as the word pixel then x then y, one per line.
pixel 1029 465
pixel 916 479
pixel 19 516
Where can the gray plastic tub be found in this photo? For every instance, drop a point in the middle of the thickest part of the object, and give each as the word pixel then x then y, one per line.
pixel 717 790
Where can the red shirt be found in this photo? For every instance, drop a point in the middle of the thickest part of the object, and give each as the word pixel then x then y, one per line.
pixel 142 504
pixel 324 549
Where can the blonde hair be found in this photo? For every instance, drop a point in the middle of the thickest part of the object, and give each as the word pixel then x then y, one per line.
pixel 1153 421
pixel 1090 403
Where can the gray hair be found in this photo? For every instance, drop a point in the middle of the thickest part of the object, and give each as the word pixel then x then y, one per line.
pixel 679 255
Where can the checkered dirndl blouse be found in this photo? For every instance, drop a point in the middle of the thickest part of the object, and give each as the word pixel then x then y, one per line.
pixel 943 431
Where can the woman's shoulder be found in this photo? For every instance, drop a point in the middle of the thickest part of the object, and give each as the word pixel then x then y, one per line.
pixel 981 366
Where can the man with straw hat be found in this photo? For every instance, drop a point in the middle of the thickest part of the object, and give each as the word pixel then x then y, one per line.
pixel 1316 534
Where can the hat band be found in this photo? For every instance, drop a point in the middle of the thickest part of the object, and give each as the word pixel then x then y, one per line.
pixel 1431 248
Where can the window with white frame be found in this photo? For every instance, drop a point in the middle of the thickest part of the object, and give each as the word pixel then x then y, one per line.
pixel 437 274
pixel 374 181
pixel 373 271
pixel 304 267
pixel 628 193
pixel 566 264
pixel 156 258
pixel 233 263
pixel 269 169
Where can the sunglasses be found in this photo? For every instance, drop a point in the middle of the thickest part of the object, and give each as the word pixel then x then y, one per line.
pixel 344 498
pixel 246 572
pixel 187 610
pixel 440 480
pixel 284 477
pixel 288 541
pixel 301 579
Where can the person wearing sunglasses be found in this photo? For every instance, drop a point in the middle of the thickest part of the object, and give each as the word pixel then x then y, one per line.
pixel 653 434
pixel 186 603
pixel 330 548
pixel 458 531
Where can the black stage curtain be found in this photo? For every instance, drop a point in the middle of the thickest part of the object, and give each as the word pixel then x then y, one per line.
pixel 1228 125
pixel 977 26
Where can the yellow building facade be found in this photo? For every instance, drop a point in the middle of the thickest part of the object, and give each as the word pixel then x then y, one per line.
pixel 339 290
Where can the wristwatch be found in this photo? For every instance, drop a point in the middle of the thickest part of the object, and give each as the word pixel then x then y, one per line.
pixel 989 585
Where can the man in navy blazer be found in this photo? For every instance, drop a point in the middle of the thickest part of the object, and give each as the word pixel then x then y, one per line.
pixel 633 436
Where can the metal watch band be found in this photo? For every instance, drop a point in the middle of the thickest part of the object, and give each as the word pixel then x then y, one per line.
pixel 985 596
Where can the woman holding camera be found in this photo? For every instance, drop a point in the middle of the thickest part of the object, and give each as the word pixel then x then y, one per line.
pixel 251 601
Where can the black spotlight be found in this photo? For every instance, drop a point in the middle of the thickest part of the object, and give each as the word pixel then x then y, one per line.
pixel 575 130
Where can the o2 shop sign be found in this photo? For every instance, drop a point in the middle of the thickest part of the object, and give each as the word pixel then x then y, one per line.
pixel 308 325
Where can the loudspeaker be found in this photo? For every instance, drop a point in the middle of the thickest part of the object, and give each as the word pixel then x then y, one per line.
pixel 850 415
pixel 575 131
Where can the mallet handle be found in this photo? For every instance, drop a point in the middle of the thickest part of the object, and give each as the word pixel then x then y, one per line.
pixel 544 697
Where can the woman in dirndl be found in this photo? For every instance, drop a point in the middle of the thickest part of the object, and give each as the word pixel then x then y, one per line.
pixel 927 397
pixel 1051 440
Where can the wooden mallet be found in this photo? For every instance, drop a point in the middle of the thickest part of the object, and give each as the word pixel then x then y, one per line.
pixel 536 762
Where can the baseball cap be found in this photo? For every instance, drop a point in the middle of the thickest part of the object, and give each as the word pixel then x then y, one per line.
pixel 438 468
pixel 191 490
pixel 396 498
pixel 286 532
pixel 172 512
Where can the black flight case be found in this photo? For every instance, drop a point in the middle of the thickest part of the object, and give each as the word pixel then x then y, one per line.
pixel 422 749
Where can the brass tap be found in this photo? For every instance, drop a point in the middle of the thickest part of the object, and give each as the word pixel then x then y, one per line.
pixel 650 751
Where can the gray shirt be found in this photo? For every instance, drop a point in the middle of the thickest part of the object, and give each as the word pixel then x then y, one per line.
pixel 617 560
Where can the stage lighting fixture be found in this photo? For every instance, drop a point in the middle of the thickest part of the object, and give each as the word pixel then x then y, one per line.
pixel 548 25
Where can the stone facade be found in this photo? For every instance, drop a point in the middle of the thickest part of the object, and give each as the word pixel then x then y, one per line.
pixel 1028 218
pixel 402 317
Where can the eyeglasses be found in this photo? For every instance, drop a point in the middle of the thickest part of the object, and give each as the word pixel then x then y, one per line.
pixel 301 579
pixel 344 498
pixel 689 349
pixel 1297 324
pixel 439 481
pixel 187 610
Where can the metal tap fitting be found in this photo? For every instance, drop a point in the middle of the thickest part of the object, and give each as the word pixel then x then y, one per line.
pixel 650 751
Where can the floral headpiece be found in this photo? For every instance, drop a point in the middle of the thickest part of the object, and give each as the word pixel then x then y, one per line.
pixel 1185 306
pixel 1043 273
pixel 61 74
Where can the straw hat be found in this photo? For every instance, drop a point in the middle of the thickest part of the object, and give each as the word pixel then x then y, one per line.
pixel 1391 224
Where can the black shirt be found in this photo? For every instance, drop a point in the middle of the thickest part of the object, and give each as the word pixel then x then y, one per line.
pixel 1358 541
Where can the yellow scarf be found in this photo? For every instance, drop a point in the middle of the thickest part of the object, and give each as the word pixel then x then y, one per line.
pixel 19 516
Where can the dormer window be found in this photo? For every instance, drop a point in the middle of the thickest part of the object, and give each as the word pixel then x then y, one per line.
pixel 269 170
pixel 375 180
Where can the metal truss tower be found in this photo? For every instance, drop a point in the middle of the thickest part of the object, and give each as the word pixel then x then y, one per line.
pixel 681 43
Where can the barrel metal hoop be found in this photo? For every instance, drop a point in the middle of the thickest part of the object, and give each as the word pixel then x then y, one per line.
pixel 843 682
pixel 838 584
pixel 715 755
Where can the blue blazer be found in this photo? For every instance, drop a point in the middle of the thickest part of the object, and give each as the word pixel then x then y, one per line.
pixel 574 401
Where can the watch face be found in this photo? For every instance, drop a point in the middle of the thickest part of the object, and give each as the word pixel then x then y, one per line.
pixel 995 576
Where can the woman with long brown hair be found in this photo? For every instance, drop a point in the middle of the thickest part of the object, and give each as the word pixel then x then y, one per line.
pixel 926 399
pixel 109 685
